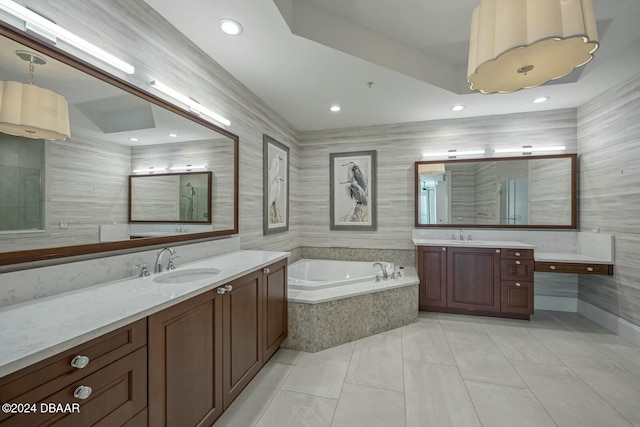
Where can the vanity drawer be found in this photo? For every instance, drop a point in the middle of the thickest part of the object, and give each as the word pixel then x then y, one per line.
pixel 44 378
pixel 516 297
pixel 515 269
pixel 511 253
pixel 113 395
pixel 574 267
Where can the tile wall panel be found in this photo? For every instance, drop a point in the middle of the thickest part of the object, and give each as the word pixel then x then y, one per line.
pixel 609 148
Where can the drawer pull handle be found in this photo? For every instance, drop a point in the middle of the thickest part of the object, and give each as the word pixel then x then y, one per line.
pixel 80 361
pixel 518 284
pixel 552 267
pixel 589 269
pixel 82 392
pixel 265 270
pixel 517 253
pixel 517 262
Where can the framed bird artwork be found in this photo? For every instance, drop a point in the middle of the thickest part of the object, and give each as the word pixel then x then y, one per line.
pixel 353 190
pixel 275 218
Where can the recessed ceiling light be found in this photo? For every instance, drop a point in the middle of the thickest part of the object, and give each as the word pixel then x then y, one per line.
pixel 134 139
pixel 457 108
pixel 231 27
pixel 173 135
pixel 335 108
pixel 541 99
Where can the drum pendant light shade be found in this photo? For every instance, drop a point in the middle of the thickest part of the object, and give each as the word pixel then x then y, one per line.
pixel 517 44
pixel 33 112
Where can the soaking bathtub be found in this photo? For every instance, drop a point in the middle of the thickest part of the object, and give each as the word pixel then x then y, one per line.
pixel 334 302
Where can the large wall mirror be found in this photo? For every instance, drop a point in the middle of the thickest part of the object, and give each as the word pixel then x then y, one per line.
pixel 514 192
pixel 61 198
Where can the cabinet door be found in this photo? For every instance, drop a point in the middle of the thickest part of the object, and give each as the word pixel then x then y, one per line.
pixel 275 308
pixel 185 363
pixel 473 280
pixel 517 297
pixel 432 272
pixel 242 334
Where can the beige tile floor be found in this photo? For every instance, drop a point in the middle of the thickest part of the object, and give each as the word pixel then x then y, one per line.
pixel 559 369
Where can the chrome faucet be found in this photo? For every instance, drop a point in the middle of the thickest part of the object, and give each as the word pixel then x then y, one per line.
pixel 385 275
pixel 462 234
pixel 157 267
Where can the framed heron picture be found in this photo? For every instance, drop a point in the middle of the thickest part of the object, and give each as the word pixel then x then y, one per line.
pixel 275 217
pixel 353 190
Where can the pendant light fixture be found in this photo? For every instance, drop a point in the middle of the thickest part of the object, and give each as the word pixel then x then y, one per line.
pixel 517 44
pixel 31 111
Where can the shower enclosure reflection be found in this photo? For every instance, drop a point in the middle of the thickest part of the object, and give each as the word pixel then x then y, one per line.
pixel 174 197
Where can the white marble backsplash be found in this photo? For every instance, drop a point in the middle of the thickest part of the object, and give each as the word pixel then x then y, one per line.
pixel 30 284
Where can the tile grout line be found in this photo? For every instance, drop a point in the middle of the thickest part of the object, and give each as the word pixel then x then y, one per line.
pixel 344 380
pixel 277 391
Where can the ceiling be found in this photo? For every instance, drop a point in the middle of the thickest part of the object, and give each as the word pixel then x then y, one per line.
pixel 302 56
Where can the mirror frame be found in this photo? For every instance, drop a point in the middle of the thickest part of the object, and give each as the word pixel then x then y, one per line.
pixel 57 253
pixel 574 193
pixel 209 219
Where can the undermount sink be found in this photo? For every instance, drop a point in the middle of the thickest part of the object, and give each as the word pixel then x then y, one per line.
pixel 184 276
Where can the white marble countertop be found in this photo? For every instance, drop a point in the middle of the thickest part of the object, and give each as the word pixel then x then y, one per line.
pixel 569 257
pixel 34 330
pixel 473 243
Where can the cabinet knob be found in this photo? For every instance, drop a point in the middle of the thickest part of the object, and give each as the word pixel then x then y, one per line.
pixel 80 361
pixel 265 270
pixel 221 290
pixel 497 251
pixel 517 254
pixel 589 269
pixel 444 249
pixel 518 284
pixel 82 392
pixel 552 267
pixel 517 262
pixel 228 288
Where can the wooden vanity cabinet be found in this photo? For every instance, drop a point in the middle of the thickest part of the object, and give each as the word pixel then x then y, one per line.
pixel 485 281
pixel 473 279
pixel 115 379
pixel 432 272
pixel 274 310
pixel 203 352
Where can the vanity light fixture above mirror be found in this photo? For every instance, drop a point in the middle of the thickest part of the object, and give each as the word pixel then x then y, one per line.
pixel 525 149
pixel 193 105
pixel 51 31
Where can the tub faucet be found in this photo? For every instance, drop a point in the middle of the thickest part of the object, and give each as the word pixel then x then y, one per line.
pixel 157 267
pixel 385 275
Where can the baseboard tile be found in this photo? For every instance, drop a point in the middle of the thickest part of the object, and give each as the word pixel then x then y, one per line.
pixel 615 324
pixel 544 302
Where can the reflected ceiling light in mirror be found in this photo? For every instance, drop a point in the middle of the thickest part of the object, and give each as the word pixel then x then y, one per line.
pixel 132 139
pixel 230 27
pixel 529 149
pixel 151 169
pixel 541 99
pixel 335 108
pixel 457 108
pixel 454 153
pixel 194 106
pixel 173 135
pixel 518 44
pixel 188 168
pixel 30 111
pixel 49 29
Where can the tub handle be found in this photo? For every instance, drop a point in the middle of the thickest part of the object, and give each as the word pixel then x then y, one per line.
pixel 266 270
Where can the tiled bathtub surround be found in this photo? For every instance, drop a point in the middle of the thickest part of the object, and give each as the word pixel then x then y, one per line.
pixel 398 257
pixel 315 327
